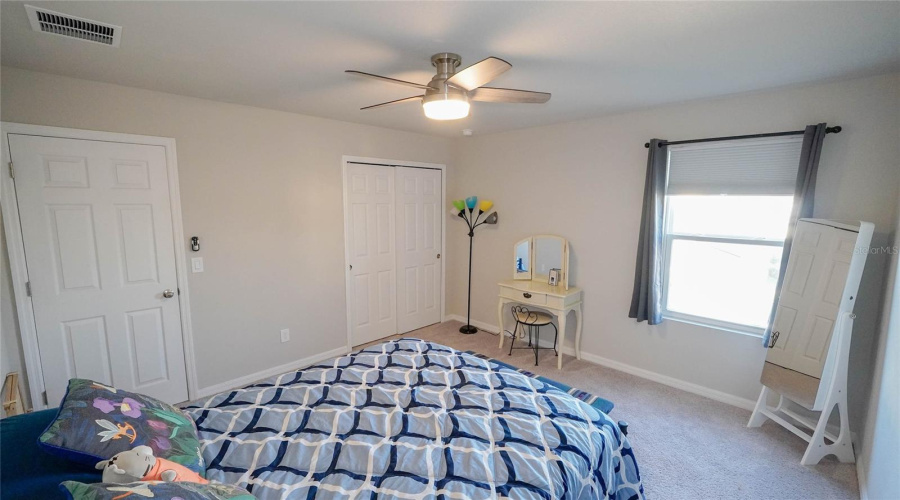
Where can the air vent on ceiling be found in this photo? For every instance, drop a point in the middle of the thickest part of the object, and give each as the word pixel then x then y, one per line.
pixel 56 23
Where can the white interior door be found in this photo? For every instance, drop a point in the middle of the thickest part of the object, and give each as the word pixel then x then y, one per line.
pixel 372 280
pixel 418 208
pixel 811 296
pixel 97 227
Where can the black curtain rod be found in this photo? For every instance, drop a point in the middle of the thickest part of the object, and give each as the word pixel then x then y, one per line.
pixel 828 130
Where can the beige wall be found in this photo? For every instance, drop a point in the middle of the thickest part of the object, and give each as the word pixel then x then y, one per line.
pixel 584 181
pixel 880 454
pixel 262 190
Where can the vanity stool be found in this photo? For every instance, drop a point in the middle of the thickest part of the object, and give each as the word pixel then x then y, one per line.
pixel 534 320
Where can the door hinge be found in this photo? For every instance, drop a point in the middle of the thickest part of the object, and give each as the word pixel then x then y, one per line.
pixel 28 288
pixel 44 397
pixel 12 170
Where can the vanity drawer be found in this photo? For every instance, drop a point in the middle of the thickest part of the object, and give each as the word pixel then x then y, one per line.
pixel 538 299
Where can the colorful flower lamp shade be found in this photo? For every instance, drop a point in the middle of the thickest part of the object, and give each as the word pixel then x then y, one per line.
pixel 473 220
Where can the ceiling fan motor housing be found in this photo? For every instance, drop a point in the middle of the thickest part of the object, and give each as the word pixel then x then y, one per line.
pixel 446 64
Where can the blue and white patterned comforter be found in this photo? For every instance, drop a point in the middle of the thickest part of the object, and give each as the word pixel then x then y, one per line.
pixel 413 419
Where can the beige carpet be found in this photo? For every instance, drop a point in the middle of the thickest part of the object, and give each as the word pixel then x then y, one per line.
pixel 687 446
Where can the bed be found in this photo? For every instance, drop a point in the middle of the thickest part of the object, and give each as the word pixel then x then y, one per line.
pixel 413 419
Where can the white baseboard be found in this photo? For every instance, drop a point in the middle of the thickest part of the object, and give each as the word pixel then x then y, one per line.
pixel 269 372
pixel 481 325
pixel 722 397
pixel 700 390
pixel 862 477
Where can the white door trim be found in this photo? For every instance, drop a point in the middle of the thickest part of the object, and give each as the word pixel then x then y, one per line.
pixel 16 247
pixel 391 163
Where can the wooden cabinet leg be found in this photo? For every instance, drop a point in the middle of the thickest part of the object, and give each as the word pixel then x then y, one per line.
pixel 561 318
pixel 578 325
pixel 500 320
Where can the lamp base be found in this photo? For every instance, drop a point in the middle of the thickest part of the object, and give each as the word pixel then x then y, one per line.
pixel 467 329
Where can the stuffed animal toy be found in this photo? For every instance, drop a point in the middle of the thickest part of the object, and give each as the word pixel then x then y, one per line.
pixel 139 464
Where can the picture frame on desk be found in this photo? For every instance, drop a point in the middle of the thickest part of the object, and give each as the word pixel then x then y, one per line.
pixel 554 277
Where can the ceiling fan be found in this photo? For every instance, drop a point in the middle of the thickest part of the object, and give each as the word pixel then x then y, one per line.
pixel 447 95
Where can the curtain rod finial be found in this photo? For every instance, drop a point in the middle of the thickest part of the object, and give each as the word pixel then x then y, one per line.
pixel 647 145
pixel 834 130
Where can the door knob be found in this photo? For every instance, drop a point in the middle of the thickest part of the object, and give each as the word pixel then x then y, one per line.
pixel 168 294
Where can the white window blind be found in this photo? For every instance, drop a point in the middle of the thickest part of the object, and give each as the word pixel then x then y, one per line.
pixel 743 167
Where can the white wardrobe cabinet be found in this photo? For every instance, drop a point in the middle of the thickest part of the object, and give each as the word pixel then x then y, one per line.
pixel 808 351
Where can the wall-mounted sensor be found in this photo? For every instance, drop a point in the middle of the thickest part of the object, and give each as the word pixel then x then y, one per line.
pixel 195 243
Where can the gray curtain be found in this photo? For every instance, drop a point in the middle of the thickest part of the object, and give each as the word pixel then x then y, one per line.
pixel 804 198
pixel 646 298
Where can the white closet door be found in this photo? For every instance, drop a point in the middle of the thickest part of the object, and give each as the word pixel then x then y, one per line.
pixel 418 247
pixel 97 226
pixel 372 253
pixel 811 295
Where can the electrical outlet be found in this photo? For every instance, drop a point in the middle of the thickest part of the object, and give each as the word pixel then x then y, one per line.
pixel 285 335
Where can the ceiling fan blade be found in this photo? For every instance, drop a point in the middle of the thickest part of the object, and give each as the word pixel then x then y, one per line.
pixel 479 73
pixel 398 101
pixel 389 80
pixel 492 94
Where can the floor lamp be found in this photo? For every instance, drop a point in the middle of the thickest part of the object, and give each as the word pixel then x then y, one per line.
pixel 464 206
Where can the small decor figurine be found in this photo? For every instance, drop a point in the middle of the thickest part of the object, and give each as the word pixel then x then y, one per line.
pixel 139 464
pixel 554 276
pixel 471 219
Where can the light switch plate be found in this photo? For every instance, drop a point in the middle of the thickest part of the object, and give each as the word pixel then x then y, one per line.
pixel 285 335
pixel 197 264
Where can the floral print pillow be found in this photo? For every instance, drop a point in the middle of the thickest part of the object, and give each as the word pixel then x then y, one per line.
pixel 96 421
pixel 153 489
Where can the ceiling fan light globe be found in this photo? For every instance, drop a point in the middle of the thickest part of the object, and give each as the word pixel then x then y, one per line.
pixel 446 109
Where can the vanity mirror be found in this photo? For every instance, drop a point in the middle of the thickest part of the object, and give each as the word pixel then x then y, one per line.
pixel 535 256
pixel 522 256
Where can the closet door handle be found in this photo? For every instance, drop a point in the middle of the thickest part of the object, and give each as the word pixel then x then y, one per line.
pixel 526 295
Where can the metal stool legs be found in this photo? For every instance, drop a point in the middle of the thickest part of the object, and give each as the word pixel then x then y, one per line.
pixel 515 333
pixel 534 331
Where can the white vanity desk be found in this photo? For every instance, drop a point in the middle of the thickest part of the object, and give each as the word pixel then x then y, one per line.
pixel 534 257
pixel 554 299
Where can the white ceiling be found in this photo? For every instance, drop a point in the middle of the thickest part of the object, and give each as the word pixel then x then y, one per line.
pixel 595 58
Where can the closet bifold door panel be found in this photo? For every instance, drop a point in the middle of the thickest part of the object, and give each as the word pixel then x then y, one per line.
pixel 372 252
pixel 418 209
pixel 394 242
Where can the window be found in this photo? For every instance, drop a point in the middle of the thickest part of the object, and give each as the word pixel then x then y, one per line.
pixel 727 211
